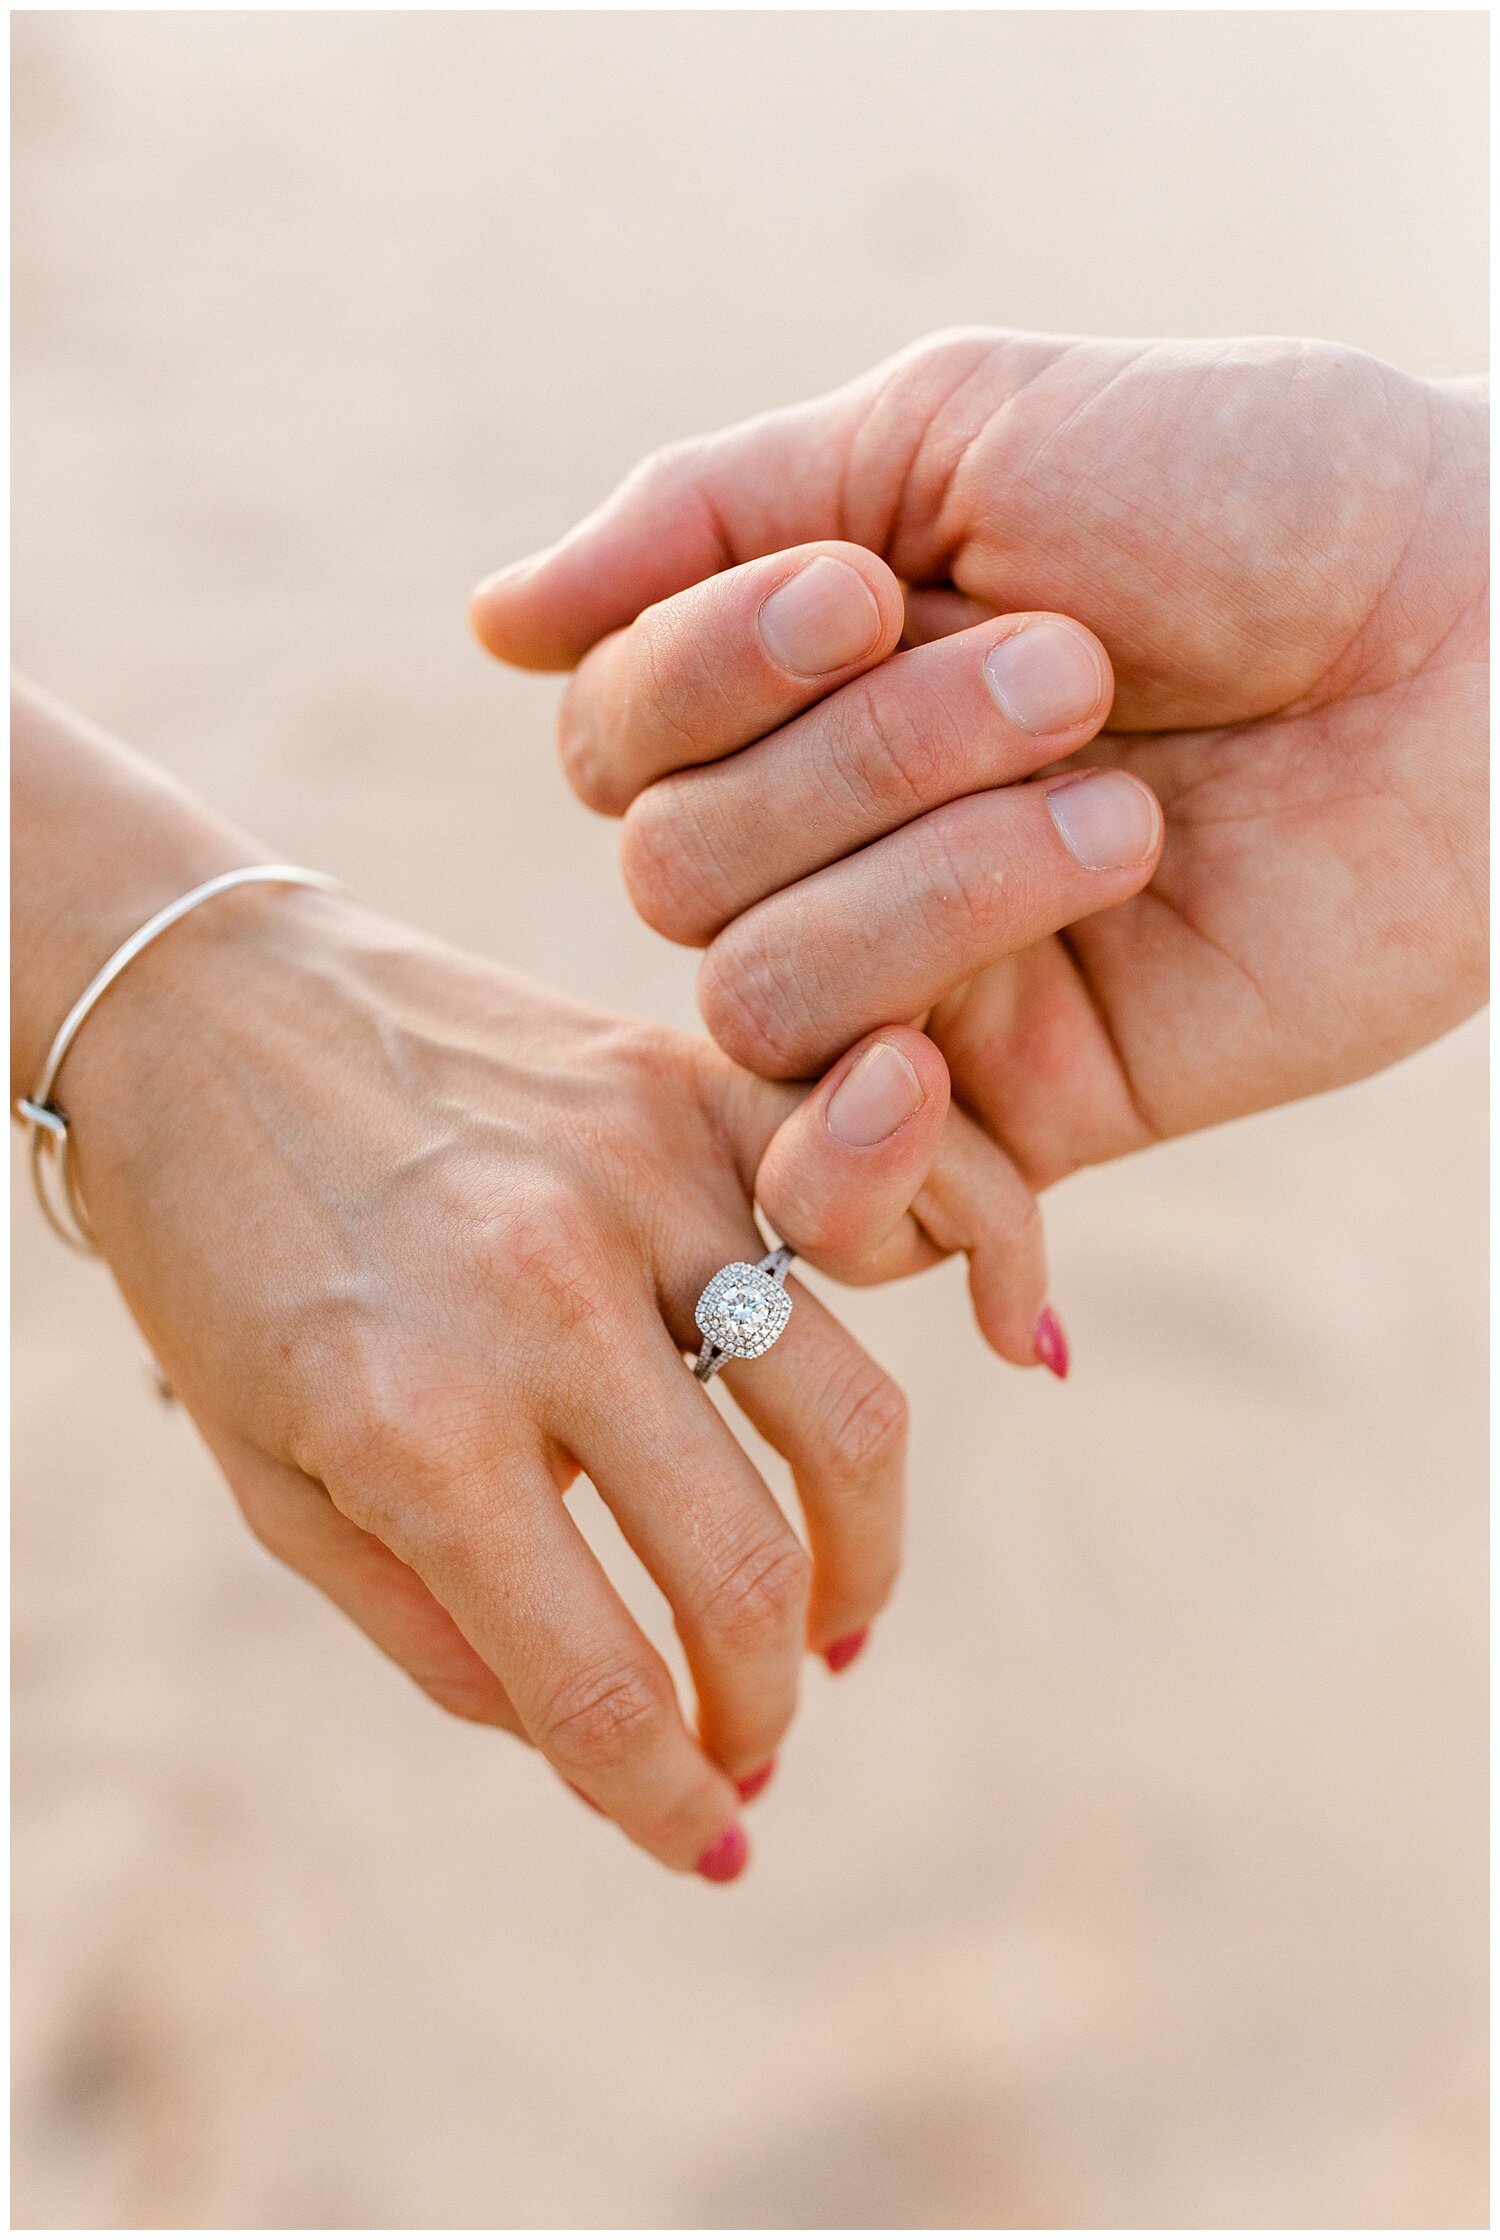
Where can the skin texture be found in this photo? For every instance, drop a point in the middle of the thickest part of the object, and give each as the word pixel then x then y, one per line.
pixel 415 1240
pixel 1281 546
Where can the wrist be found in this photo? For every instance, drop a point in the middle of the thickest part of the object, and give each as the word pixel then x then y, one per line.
pixel 101 842
pixel 216 1035
pixel 209 989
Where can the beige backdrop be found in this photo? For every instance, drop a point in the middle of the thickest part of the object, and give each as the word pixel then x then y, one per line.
pixel 1137 1876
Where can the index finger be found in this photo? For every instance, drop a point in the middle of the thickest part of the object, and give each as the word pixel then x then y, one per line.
pixel 700 675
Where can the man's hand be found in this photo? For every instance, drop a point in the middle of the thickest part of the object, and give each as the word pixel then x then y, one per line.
pixel 1281 546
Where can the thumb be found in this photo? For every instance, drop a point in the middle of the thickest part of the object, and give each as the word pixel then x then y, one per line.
pixel 683 514
pixel 838 1177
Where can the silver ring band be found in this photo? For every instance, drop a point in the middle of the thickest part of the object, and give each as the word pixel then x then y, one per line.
pixel 743 1311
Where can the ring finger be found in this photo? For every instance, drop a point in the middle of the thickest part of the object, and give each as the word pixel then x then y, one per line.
pixel 706 1526
pixel 840 1423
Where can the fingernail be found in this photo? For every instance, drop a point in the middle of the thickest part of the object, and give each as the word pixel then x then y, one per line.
pixel 876 1097
pixel 844 1652
pixel 1045 676
pixel 823 618
pixel 753 1783
pixel 1051 1345
pixel 726 1857
pixel 1105 820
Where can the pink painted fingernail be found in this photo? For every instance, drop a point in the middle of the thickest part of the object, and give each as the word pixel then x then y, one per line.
pixel 753 1783
pixel 820 619
pixel 1051 1345
pixel 842 1653
pixel 726 1857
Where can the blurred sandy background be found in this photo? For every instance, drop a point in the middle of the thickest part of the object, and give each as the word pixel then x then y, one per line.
pixel 1137 1876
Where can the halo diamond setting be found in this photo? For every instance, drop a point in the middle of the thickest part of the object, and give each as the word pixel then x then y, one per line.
pixel 742 1311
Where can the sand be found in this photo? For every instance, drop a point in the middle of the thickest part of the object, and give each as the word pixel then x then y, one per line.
pixel 1137 1875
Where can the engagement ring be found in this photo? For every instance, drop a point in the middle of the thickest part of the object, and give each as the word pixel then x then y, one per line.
pixel 742 1312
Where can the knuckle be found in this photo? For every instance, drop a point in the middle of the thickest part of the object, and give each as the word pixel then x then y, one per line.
pixel 547 1251
pixel 393 1430
pixel 587 752
pixel 1015 1223
pixel 958 886
pixel 667 865
pixel 383 1447
pixel 655 1065
pixel 798 1208
pixel 676 693
pixel 761 1596
pixel 888 758
pixel 606 1715
pixel 753 1002
pixel 867 1423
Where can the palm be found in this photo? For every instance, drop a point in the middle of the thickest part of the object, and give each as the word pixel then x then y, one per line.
pixel 1263 537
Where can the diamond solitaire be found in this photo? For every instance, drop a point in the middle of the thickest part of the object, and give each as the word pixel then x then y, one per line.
pixel 743 1311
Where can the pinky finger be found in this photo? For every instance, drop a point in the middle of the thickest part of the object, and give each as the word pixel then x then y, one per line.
pixel 292 1517
pixel 975 1201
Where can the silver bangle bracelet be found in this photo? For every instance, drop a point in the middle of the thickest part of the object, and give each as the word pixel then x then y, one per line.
pixel 61 1206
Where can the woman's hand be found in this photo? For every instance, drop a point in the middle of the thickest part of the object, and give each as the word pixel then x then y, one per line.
pixel 1282 547
pixel 414 1241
